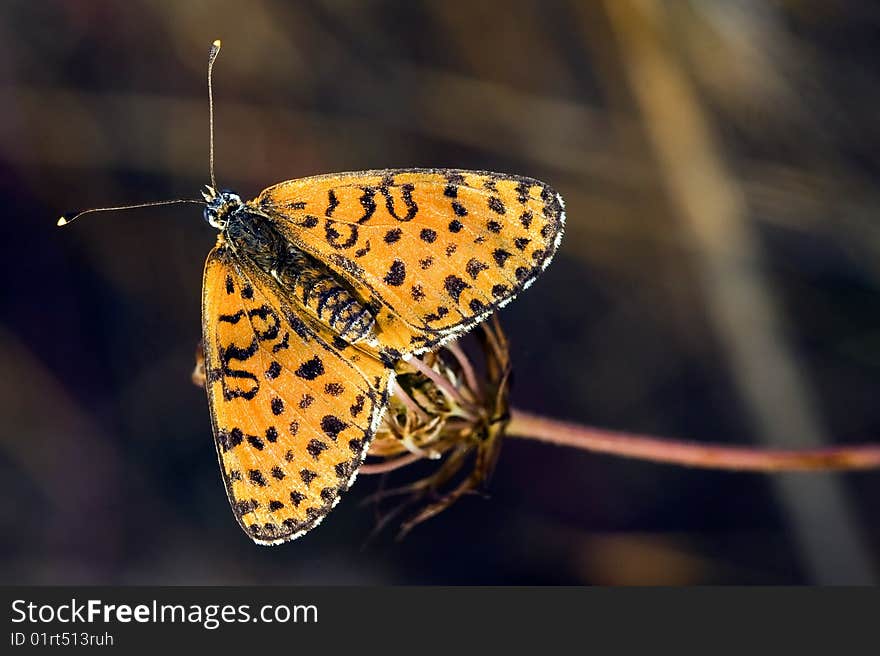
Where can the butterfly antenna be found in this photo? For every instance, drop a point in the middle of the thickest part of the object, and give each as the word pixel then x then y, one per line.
pixel 69 218
pixel 215 50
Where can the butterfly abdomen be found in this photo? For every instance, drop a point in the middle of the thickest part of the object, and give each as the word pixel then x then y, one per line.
pixel 324 296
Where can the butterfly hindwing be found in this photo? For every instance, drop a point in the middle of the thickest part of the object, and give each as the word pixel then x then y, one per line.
pixel 293 410
pixel 436 250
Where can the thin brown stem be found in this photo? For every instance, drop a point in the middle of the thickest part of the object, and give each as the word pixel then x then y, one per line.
pixel 411 405
pixel 691 454
pixel 465 365
pixel 389 465
pixel 439 381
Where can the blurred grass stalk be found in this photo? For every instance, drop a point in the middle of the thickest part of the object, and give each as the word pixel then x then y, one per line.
pixel 736 290
pixel 691 454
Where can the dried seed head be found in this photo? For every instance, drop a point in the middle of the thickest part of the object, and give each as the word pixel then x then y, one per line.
pixel 450 408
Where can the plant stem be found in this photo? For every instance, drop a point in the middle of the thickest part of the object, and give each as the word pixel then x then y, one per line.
pixel 439 381
pixel 389 465
pixel 691 454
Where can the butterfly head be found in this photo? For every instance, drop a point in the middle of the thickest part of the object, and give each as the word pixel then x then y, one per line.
pixel 219 206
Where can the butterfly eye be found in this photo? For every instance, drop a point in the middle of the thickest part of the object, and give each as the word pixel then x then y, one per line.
pixel 210 215
pixel 215 216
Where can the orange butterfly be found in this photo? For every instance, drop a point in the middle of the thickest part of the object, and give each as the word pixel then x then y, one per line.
pixel 318 287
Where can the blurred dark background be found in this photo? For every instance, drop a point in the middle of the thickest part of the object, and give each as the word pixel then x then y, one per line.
pixel 719 279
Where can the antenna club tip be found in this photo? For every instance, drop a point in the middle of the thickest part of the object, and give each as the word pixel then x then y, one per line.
pixel 217 44
pixel 61 221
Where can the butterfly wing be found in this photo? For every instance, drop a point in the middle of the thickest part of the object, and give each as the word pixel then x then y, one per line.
pixel 437 250
pixel 292 415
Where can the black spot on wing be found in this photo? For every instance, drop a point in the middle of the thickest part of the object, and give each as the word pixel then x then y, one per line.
pixel 277 406
pixel 477 306
pixel 230 439
pixel 455 286
pixel 310 369
pixel 334 389
pixel 332 426
pixel 358 405
pixel 474 266
pixel 273 371
pixel 396 274
pixel 499 291
pixel 496 205
pixel 500 256
pixel 393 235
pixel 316 447
pixel 245 507
pixel 344 469
pixel 523 273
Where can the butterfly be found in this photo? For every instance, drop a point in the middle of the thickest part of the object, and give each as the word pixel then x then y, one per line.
pixel 318 287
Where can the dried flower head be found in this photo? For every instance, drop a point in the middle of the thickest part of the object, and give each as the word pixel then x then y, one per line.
pixel 449 408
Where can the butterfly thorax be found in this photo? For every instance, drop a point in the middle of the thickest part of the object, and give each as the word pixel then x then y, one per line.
pixel 253 236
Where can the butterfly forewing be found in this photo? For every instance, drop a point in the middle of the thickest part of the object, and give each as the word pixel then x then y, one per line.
pixel 293 410
pixel 436 250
